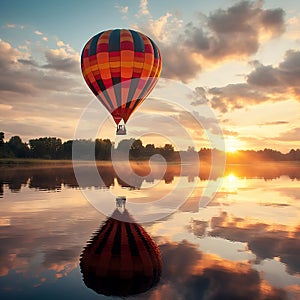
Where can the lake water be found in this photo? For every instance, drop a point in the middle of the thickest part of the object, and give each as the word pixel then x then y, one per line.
pixel 245 244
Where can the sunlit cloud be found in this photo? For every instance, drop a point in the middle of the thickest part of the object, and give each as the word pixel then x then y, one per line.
pixel 274 123
pixel 143 8
pixel 264 83
pixel 37 32
pixel 5 107
pixel 11 25
pixel 8 55
pixel 62 60
pixel 264 240
pixel 60 43
pixel 225 34
pixel 199 96
pixel 28 81
pixel 290 135
pixel 208 276
pixel 293 25
pixel 122 9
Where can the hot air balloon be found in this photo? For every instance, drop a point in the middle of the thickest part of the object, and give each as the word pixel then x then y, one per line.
pixel 121 67
pixel 121 259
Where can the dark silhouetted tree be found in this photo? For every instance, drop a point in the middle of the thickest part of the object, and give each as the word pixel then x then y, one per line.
pixel 125 145
pixel 1 138
pixel 4 149
pixel 17 147
pixel 137 149
pixel 83 149
pixel 150 150
pixel 47 147
pixel 167 152
pixel 103 149
pixel 67 150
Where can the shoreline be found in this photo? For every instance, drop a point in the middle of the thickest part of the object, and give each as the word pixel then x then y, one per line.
pixel 10 162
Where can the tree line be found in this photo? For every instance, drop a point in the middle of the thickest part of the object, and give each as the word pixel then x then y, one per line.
pixel 54 148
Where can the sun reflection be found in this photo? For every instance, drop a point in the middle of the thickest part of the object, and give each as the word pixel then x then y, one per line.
pixel 231 183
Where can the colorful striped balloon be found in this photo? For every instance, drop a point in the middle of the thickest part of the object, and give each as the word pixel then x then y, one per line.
pixel 121 259
pixel 121 67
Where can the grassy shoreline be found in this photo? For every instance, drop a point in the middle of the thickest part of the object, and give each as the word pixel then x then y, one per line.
pixel 63 162
pixel 32 161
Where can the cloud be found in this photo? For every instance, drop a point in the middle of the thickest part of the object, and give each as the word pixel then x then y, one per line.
pixel 61 60
pixel 21 74
pixel 11 25
pixel 290 135
pixel 274 123
pixel 162 30
pixel 198 227
pixel 230 132
pixel 199 96
pixel 264 76
pixel 237 30
pixel 232 33
pixel 234 96
pixel 190 274
pixel 40 97
pixel 8 55
pixel 178 63
pixel 286 75
pixel 28 62
pixel 264 240
pixel 283 80
pixel 37 32
pixel 143 8
pixel 122 9
pixel 60 43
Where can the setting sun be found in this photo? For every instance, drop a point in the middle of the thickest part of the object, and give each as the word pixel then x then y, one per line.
pixel 231 144
pixel 231 149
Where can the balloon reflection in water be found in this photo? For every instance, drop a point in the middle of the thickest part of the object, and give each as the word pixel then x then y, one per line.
pixel 121 259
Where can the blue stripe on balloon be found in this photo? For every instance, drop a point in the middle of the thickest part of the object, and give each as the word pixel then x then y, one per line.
pixel 93 45
pixel 114 41
pixel 156 54
pixel 137 41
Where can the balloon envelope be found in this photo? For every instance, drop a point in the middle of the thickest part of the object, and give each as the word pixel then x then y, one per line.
pixel 121 259
pixel 121 67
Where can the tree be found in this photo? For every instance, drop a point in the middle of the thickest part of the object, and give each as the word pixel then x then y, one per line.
pixel 125 145
pixel 17 147
pixel 4 150
pixel 137 149
pixel 1 138
pixel 150 150
pixel 103 149
pixel 66 151
pixel 47 147
pixel 84 149
pixel 167 151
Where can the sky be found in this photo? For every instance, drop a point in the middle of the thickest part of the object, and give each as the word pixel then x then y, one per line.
pixel 240 59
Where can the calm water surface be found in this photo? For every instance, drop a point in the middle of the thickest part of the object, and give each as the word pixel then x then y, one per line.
pixel 244 245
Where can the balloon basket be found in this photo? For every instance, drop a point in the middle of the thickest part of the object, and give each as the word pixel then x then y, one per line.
pixel 121 130
pixel 120 203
